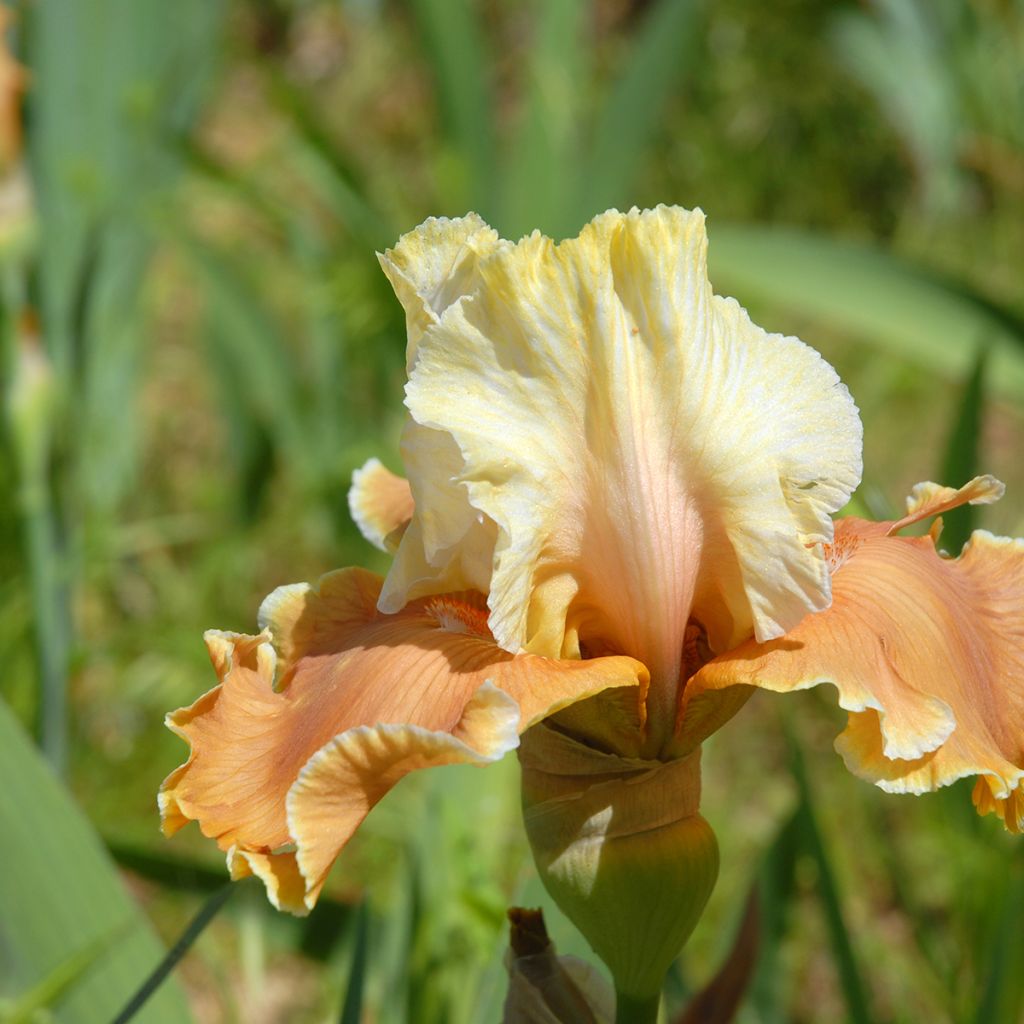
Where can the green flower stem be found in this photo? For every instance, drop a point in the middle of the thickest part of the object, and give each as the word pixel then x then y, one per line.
pixel 636 1010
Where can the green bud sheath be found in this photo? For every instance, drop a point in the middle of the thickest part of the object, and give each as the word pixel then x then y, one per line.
pixel 621 848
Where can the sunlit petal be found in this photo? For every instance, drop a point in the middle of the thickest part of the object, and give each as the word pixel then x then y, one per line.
pixel 433 266
pixel 381 504
pixel 318 716
pixel 927 654
pixel 929 499
pixel 643 451
pixel 450 545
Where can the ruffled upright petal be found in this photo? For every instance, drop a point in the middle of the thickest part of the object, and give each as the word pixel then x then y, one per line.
pixel 642 451
pixel 449 545
pixel 433 266
pixel 926 652
pixel 317 717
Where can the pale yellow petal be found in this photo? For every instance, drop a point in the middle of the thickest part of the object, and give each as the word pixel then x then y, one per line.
pixel 381 504
pixel 318 716
pixel 927 655
pixel 449 545
pixel 433 266
pixel 645 453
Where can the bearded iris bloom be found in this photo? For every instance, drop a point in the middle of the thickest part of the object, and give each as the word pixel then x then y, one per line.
pixel 616 523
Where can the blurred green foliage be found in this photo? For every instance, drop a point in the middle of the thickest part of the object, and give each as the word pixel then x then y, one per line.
pixel 198 348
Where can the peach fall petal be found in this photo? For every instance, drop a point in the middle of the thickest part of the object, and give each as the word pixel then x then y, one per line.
pixel 926 652
pixel 381 504
pixel 319 715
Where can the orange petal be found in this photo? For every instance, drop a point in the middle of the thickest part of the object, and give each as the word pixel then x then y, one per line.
pixel 930 499
pixel 381 505
pixel 319 715
pixel 927 654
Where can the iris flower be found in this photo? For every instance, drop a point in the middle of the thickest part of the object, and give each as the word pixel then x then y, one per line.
pixel 616 523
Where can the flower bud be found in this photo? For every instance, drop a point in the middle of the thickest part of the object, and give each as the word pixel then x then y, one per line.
pixel 621 848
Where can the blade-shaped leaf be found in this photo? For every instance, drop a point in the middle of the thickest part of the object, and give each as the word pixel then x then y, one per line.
pixel 59 892
pixel 719 1001
pixel 850 979
pixel 776 891
pixel 457 51
pixel 633 110
pixel 544 172
pixel 962 450
pixel 352 1007
pixel 872 294
pixel 254 350
pixel 60 980
pixel 1002 997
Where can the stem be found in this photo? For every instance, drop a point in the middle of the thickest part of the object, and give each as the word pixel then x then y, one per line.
pixel 636 1009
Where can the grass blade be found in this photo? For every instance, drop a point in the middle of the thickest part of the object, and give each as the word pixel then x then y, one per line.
pixel 872 294
pixel 341 181
pixel 459 58
pixel 207 912
pixel 776 888
pixel 633 111
pixel 30 407
pixel 544 172
pixel 851 982
pixel 254 350
pixel 352 1007
pixel 1003 995
pixel 719 1001
pixel 59 891
pixel 962 449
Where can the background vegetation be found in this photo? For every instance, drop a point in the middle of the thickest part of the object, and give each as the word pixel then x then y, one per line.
pixel 198 348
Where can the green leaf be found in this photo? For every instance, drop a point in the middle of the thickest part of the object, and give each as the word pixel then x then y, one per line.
pixel 460 61
pixel 260 379
pixel 544 172
pixel 330 168
pixel 962 449
pixel 776 889
pixel 352 1007
pixel 59 981
pixel 111 83
pixel 1003 995
pixel 632 113
pixel 850 979
pixel 871 294
pixel 719 1001
pixel 60 892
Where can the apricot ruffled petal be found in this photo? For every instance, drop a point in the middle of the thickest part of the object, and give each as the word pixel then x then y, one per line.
pixel 318 716
pixel 927 655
